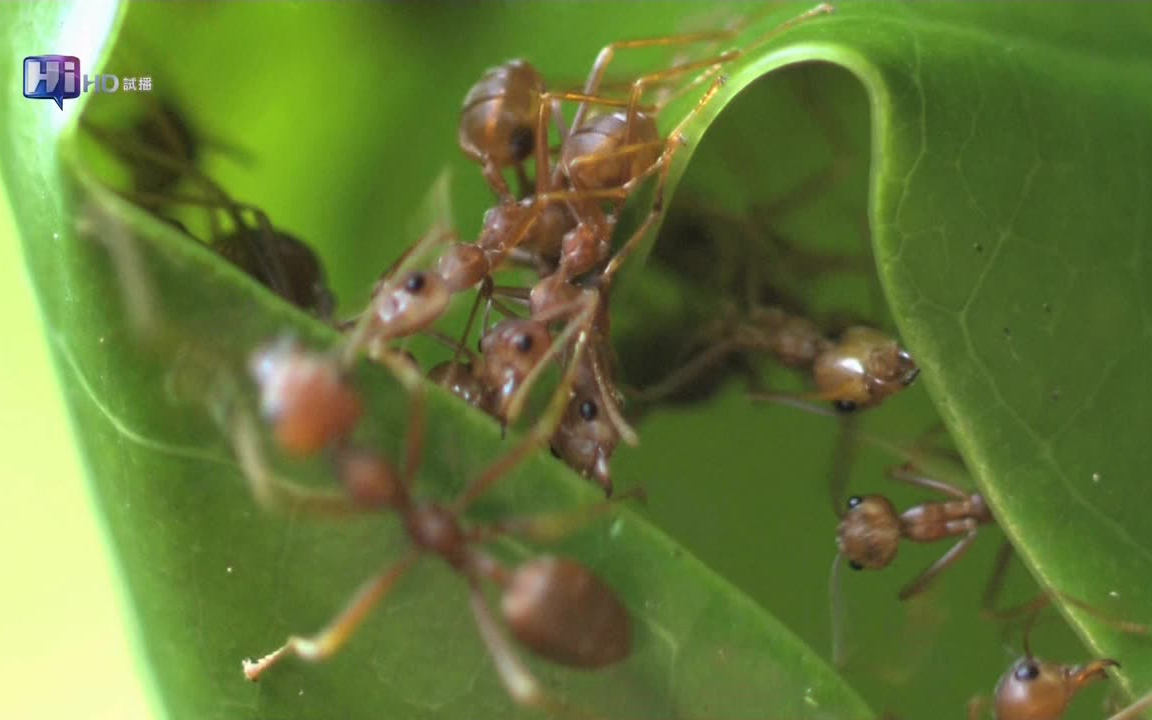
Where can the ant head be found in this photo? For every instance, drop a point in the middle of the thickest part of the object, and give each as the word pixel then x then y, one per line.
pixel 862 368
pixel 586 438
pixel 1033 689
pixel 563 612
pixel 869 532
pixel 411 302
pixel 512 348
pixel 304 396
pixel 498 120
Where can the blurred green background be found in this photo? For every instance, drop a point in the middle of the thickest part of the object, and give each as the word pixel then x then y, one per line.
pixel 745 486
pixel 63 614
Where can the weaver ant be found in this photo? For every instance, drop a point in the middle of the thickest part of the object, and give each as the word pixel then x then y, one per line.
pixel 160 153
pixel 555 607
pixel 1035 689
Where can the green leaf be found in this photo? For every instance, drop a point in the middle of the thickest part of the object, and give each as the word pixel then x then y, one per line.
pixel 999 153
pixel 1008 205
pixel 139 319
pixel 1011 204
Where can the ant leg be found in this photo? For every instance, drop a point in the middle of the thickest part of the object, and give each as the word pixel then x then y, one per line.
pixel 608 53
pixel 551 527
pixel 1031 607
pixel 544 428
pixel 713 62
pixel 274 492
pixel 843 458
pixel 995 584
pixel 977 706
pixel 268 257
pixel 687 373
pixel 329 640
pixel 836 608
pixel 414 444
pixel 905 473
pixel 608 400
pixel 662 166
pixel 483 293
pixel 1131 712
pixel 524 185
pixel 517 679
pixel 925 578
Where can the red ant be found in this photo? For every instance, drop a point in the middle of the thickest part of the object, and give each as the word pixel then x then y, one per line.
pixel 601 163
pixel 855 369
pixel 555 607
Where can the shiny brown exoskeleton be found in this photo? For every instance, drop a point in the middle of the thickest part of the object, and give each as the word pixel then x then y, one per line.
pixel 512 350
pixel 498 120
pixel 1034 689
pixel 305 397
pixel 586 439
pixel 555 607
pixel 870 529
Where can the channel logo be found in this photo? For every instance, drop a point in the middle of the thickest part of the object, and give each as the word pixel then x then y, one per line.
pixel 52 77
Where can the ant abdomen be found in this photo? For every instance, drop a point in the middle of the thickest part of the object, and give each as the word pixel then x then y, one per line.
pixel 600 154
pixel 1033 689
pixel 305 397
pixel 303 282
pixel 497 122
pixel 869 533
pixel 563 612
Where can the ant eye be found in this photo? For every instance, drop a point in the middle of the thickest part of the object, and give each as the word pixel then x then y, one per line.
pixel 845 406
pixel 854 501
pixel 588 410
pixel 1027 672
pixel 523 342
pixel 855 565
pixel 414 283
pixel 555 452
